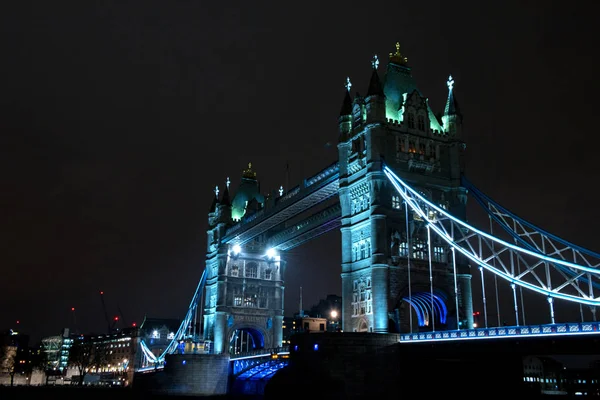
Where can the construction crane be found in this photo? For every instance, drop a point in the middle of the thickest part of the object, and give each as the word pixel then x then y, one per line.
pixel 106 313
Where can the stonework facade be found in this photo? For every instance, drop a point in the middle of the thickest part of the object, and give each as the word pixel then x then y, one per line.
pixel 386 249
pixel 396 275
pixel 244 286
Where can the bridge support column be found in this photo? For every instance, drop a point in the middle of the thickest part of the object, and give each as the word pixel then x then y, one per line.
pixel 221 344
pixel 379 276
pixel 465 299
pixel 277 330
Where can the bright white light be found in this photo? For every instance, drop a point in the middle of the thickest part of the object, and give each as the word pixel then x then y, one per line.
pixel 334 314
pixel 271 253
pixel 237 249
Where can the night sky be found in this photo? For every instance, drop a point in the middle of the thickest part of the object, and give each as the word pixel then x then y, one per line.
pixel 118 118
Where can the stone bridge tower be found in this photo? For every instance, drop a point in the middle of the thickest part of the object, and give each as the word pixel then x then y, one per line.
pixel 384 246
pixel 243 303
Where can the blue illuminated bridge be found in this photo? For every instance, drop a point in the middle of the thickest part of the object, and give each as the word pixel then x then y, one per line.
pixel 524 257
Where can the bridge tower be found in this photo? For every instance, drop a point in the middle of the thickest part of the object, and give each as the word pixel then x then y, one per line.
pixel 388 264
pixel 243 306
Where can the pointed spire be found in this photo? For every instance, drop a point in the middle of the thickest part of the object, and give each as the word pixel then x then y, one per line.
pixel 375 88
pixel 225 199
pixel 213 206
pixel 451 104
pixel 347 104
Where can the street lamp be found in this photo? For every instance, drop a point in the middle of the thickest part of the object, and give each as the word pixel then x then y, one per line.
pixel 334 314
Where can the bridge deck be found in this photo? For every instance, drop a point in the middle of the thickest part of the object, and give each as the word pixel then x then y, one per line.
pixel 563 329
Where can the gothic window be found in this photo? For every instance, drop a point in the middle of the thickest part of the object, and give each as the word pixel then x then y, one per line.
pixel 268 274
pixel 250 301
pixel 421 122
pixel 419 249
pixel 251 270
pixel 262 302
pixel 362 298
pixel 396 202
pixel 235 271
pixel 237 300
pixel 403 249
pixel 412 148
pixel 401 147
pixel 411 120
pixel 438 254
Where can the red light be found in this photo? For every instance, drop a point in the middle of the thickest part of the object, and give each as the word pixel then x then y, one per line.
pixel 134 324
pixel 18 322
pixel 101 292
pixel 72 308
pixel 116 318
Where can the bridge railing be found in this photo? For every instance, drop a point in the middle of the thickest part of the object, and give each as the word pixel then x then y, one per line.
pixel 506 331
pixel 260 353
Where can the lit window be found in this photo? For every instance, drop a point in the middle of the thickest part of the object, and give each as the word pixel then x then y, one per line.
pixel 396 203
pixel 251 270
pixel 237 301
pixel 438 254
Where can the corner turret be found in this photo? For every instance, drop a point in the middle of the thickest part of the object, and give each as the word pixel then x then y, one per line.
pixel 225 199
pixel 215 202
pixel 375 99
pixel 345 118
pixel 452 118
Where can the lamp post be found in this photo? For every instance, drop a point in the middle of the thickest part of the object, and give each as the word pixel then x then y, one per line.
pixel 334 320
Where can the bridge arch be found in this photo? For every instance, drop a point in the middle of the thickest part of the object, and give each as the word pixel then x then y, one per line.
pixel 425 312
pixel 246 337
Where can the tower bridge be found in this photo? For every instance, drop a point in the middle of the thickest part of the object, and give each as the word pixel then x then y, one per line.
pixel 398 195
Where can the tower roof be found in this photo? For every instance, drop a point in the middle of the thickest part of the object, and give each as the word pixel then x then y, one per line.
pixel 375 88
pixel 225 199
pixel 246 192
pixel 399 82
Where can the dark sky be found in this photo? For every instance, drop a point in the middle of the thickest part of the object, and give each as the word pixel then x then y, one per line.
pixel 118 118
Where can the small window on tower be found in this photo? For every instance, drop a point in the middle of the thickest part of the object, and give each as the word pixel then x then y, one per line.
pixel 421 121
pixel 411 120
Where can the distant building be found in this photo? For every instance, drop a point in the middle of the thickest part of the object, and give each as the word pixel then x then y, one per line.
pixel 57 349
pixel 14 356
pixel 325 307
pixel 111 359
pixel 299 323
pixel 329 308
pixel 543 374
